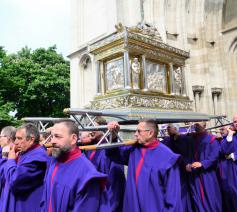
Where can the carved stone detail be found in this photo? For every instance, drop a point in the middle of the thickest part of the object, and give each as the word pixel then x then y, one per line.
pixel 85 61
pixel 216 91
pixel 198 88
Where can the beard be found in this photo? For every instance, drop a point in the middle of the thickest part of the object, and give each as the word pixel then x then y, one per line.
pixel 59 152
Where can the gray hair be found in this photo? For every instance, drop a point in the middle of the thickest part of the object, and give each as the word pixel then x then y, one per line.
pixel 174 125
pixel 10 132
pixel 31 131
pixel 152 124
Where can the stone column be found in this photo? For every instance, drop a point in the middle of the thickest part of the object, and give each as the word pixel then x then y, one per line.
pixel 215 93
pixel 144 73
pixel 171 78
pixel 98 79
pixel 127 71
pixel 197 90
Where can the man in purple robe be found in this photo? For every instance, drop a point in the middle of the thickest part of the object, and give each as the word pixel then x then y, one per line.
pixel 72 183
pixel 7 137
pixel 116 178
pixel 24 172
pixel 153 181
pixel 201 164
pixel 2 180
pixel 229 149
pixel 176 142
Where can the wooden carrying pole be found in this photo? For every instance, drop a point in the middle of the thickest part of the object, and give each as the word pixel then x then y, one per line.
pixel 101 146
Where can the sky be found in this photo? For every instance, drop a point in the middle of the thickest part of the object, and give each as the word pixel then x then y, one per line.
pixel 35 23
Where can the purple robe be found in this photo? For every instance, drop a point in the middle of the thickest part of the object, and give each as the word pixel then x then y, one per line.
pixel 204 185
pixel 177 146
pixel 2 180
pixel 223 181
pixel 153 181
pixel 116 178
pixel 24 181
pixel 73 184
pixel 229 177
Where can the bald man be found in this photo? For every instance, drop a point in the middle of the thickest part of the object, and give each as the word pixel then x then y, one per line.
pixel 229 148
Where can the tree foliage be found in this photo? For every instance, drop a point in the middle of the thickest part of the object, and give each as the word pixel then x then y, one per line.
pixel 34 83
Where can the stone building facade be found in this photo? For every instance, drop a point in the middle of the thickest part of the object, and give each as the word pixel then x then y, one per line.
pixel 207 29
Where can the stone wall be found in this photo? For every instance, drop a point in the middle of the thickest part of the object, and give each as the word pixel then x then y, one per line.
pixel 205 28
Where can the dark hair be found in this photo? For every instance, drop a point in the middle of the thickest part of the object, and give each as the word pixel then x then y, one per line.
pixel 151 123
pixel 100 120
pixel 10 132
pixel 31 130
pixel 45 135
pixel 71 125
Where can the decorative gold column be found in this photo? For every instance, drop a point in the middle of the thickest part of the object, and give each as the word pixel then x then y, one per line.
pixel 171 78
pixel 144 73
pixel 98 79
pixel 127 71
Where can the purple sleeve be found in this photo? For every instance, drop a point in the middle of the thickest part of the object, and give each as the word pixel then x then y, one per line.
pixel 91 198
pixel 24 177
pixel 119 155
pixel 213 156
pixel 2 162
pixel 228 147
pixel 116 189
pixel 173 189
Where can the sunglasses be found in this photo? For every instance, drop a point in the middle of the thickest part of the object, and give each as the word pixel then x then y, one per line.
pixel 139 131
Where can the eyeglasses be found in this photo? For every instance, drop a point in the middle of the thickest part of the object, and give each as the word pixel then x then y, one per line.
pixel 139 131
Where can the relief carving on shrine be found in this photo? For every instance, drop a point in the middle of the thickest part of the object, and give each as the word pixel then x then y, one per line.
pixel 114 75
pixel 178 81
pixel 156 76
pixel 142 102
pixel 136 70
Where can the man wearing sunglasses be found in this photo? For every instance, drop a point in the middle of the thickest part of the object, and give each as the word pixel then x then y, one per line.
pixel 153 181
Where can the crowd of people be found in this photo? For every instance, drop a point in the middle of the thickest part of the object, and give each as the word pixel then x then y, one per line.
pixel 180 172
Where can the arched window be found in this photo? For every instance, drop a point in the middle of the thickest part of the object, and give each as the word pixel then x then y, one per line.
pixel 233 46
pixel 85 61
pixel 87 80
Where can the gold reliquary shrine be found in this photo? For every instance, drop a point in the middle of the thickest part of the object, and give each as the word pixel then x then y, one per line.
pixel 137 70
